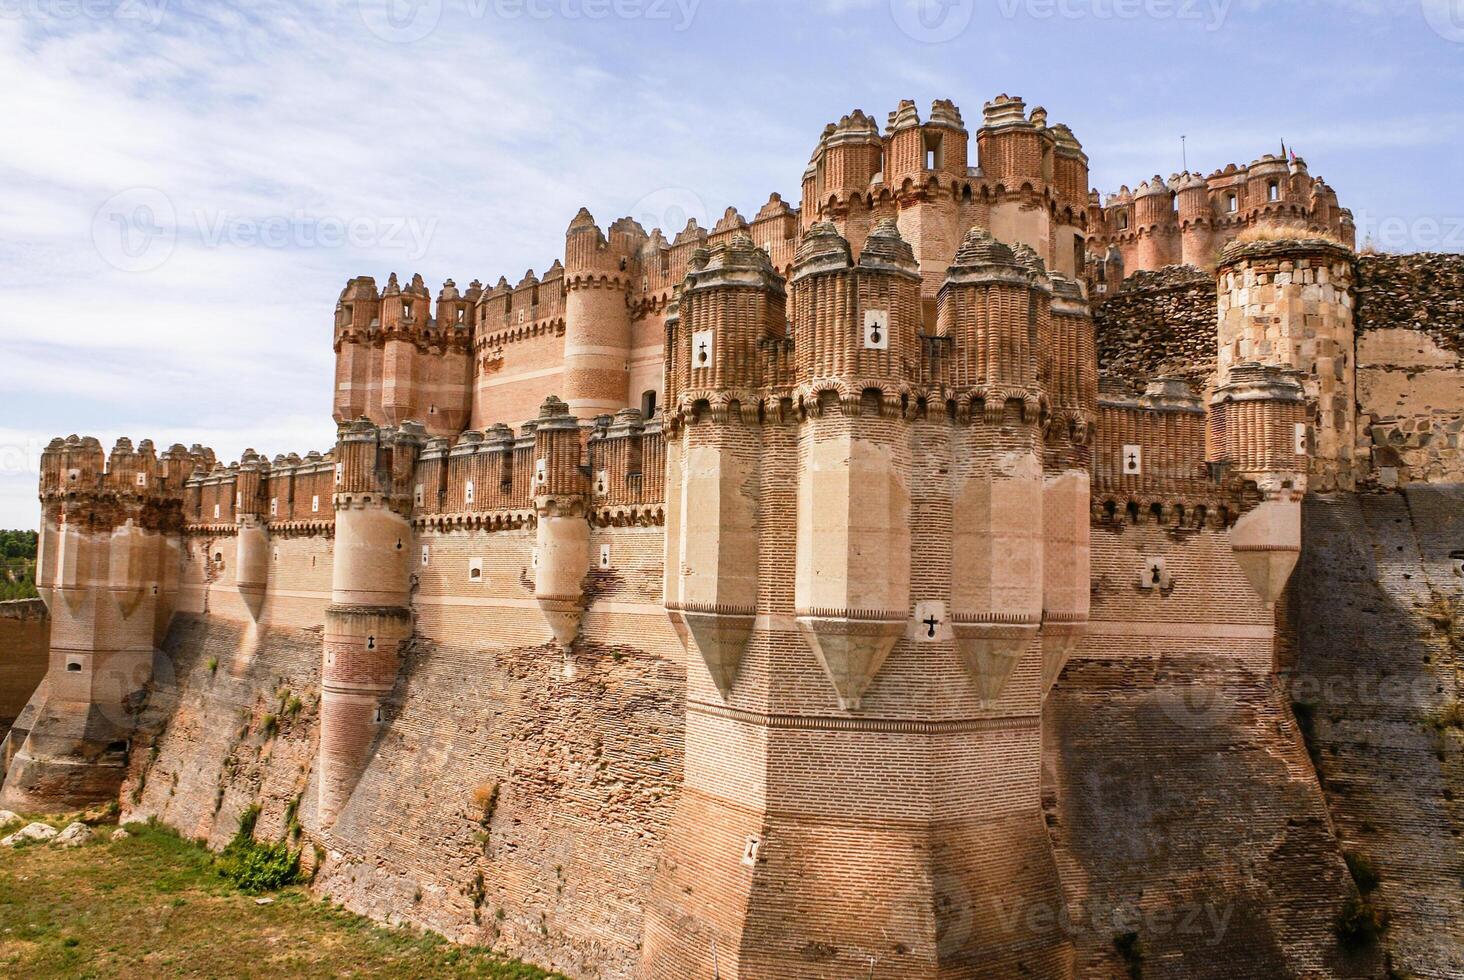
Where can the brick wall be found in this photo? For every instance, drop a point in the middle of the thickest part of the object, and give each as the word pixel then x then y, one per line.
pixel 24 633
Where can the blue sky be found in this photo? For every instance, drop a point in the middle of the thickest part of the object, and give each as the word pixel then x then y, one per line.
pixel 188 184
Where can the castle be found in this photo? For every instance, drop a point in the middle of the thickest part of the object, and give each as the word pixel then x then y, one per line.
pixel 737 573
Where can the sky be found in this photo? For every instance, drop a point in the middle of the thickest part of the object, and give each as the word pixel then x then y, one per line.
pixel 186 185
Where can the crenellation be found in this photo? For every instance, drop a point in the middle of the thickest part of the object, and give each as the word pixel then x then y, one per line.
pixel 814 523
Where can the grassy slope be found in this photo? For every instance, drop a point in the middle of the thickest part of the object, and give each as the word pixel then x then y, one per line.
pixel 153 905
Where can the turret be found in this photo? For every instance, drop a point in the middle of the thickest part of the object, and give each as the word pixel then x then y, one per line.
pixel 1156 225
pixel 357 361
pixel 731 303
pixel 1258 427
pixel 598 273
pixel 1289 304
pixel 1069 373
pixel 109 528
pixel 369 618
pixel 561 501
pixel 995 305
pixel 251 543
pixel 856 332
pixel 1196 222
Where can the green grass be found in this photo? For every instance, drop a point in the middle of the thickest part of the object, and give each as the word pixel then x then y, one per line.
pixel 157 905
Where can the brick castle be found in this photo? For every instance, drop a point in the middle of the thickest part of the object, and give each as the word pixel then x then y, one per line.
pixel 736 571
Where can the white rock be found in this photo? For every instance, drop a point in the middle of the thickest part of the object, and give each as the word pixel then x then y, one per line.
pixel 120 834
pixel 30 832
pixel 7 816
pixel 74 835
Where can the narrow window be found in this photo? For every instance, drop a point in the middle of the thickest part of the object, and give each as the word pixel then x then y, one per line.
pixel 648 403
pixel 1273 191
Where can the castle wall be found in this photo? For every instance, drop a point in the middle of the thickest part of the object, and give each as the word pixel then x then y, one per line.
pixel 1410 368
pixel 582 764
pixel 25 631
pixel 1376 610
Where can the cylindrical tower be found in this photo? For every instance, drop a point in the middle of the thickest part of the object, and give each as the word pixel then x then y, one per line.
pixel 563 533
pixel 370 615
pixel 251 544
pixel 1289 304
pixel 597 340
pixel 1258 426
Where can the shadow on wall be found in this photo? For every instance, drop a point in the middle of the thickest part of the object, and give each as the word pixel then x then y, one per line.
pixel 1380 631
pixel 25 629
pixel 1189 834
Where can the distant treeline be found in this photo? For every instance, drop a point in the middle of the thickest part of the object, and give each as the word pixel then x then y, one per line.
pixel 17 565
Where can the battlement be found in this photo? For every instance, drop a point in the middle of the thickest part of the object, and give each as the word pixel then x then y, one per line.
pixel 1189 219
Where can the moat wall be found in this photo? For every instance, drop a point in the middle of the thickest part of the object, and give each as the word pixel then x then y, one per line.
pixel 512 800
pixel 24 635
pixel 1379 630
pixel 1179 797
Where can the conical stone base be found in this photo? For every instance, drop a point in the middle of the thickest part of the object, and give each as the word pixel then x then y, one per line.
pixel 851 651
pixel 990 652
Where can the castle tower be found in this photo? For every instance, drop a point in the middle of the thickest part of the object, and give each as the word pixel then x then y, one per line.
pixel 732 301
pixel 358 360
pixel 1196 222
pixel 370 614
pixel 1069 370
pixel 561 505
pixel 598 273
pixel 853 794
pixel 251 543
pixel 995 307
pixel 1156 224
pixel 1289 304
pixel 1258 425
pixel 110 526
pixel 857 346
pixel 447 368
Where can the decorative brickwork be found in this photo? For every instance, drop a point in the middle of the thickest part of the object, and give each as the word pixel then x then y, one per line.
pixel 781 600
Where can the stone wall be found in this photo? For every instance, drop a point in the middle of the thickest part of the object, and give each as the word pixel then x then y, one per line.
pixel 25 630
pixel 1410 367
pixel 1159 323
pixel 1379 633
pixel 1179 797
pixel 513 799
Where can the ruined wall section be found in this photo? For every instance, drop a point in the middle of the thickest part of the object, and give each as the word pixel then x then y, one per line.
pixel 25 630
pixel 1410 368
pixel 1159 323
pixel 1376 608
